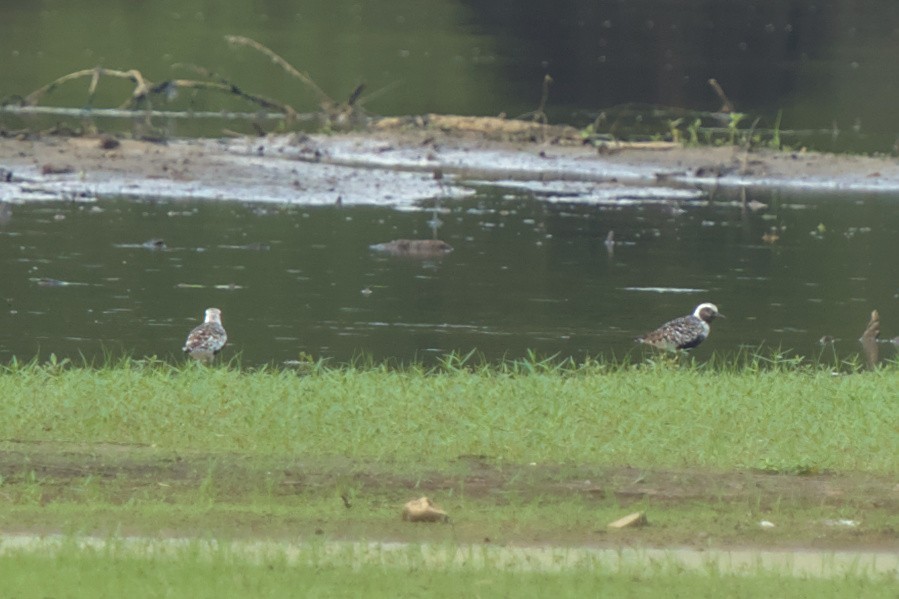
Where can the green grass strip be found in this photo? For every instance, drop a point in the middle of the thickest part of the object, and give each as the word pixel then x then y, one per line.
pixel 784 418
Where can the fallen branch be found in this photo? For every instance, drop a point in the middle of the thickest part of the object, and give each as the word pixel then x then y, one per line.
pixel 141 87
pixel 324 99
pixel 339 114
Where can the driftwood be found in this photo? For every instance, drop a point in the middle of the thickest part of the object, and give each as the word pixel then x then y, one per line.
pixel 869 340
pixel 334 113
pixel 322 97
pixel 339 114
pixel 141 85
pixel 144 89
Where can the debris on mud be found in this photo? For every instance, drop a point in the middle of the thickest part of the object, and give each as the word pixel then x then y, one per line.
pixel 423 510
pixel 634 520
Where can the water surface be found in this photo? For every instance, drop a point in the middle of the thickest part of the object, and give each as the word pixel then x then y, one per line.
pixel 829 67
pixel 529 271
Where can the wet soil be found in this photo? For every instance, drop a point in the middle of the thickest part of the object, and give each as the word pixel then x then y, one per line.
pixel 395 162
pixel 58 473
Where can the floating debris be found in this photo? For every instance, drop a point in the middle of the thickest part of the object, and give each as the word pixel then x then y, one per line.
pixel 819 231
pixel 826 340
pixel 755 205
pixel 224 286
pixel 666 289
pixel 154 244
pixel 48 282
pixel 423 510
pixel 414 248
pixel 771 236
pixel 256 247
pixel 766 524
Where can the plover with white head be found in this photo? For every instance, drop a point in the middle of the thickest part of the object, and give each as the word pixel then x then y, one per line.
pixel 685 332
pixel 207 339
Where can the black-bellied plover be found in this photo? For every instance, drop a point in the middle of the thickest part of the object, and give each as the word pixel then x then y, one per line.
pixel 685 332
pixel 207 339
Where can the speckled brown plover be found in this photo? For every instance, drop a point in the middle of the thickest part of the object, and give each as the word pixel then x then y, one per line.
pixel 685 332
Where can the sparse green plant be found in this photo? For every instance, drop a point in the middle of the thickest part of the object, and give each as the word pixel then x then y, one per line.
pixel 733 126
pixel 674 129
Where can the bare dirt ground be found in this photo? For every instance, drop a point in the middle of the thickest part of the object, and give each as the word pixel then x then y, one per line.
pixel 395 161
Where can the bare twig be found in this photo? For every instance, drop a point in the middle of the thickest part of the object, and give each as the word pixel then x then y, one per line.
pixel 141 87
pixel 544 96
pixel 224 85
pixel 726 105
pixel 539 114
pixel 323 98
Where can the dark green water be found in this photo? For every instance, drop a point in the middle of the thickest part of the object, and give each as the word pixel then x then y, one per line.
pixel 830 67
pixel 526 274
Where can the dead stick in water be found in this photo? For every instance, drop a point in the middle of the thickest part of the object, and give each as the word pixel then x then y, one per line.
pixel 141 87
pixel 726 105
pixel 869 340
pixel 225 85
pixel 323 98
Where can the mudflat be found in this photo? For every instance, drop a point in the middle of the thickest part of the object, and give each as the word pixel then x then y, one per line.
pixel 395 161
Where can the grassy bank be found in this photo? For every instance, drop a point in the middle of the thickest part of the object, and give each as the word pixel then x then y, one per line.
pixel 662 416
pixel 516 453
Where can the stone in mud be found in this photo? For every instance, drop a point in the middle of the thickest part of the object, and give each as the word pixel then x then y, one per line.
pixel 630 521
pixel 423 510
pixel 414 248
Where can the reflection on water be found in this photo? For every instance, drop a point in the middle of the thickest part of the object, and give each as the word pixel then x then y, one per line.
pixel 829 66
pixel 524 274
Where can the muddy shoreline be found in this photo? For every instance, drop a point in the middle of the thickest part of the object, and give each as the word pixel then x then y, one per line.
pixel 116 474
pixel 397 165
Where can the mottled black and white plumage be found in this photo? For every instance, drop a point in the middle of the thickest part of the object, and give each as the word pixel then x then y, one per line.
pixel 685 332
pixel 208 339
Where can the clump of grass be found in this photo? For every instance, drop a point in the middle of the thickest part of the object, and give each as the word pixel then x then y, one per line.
pixel 650 415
